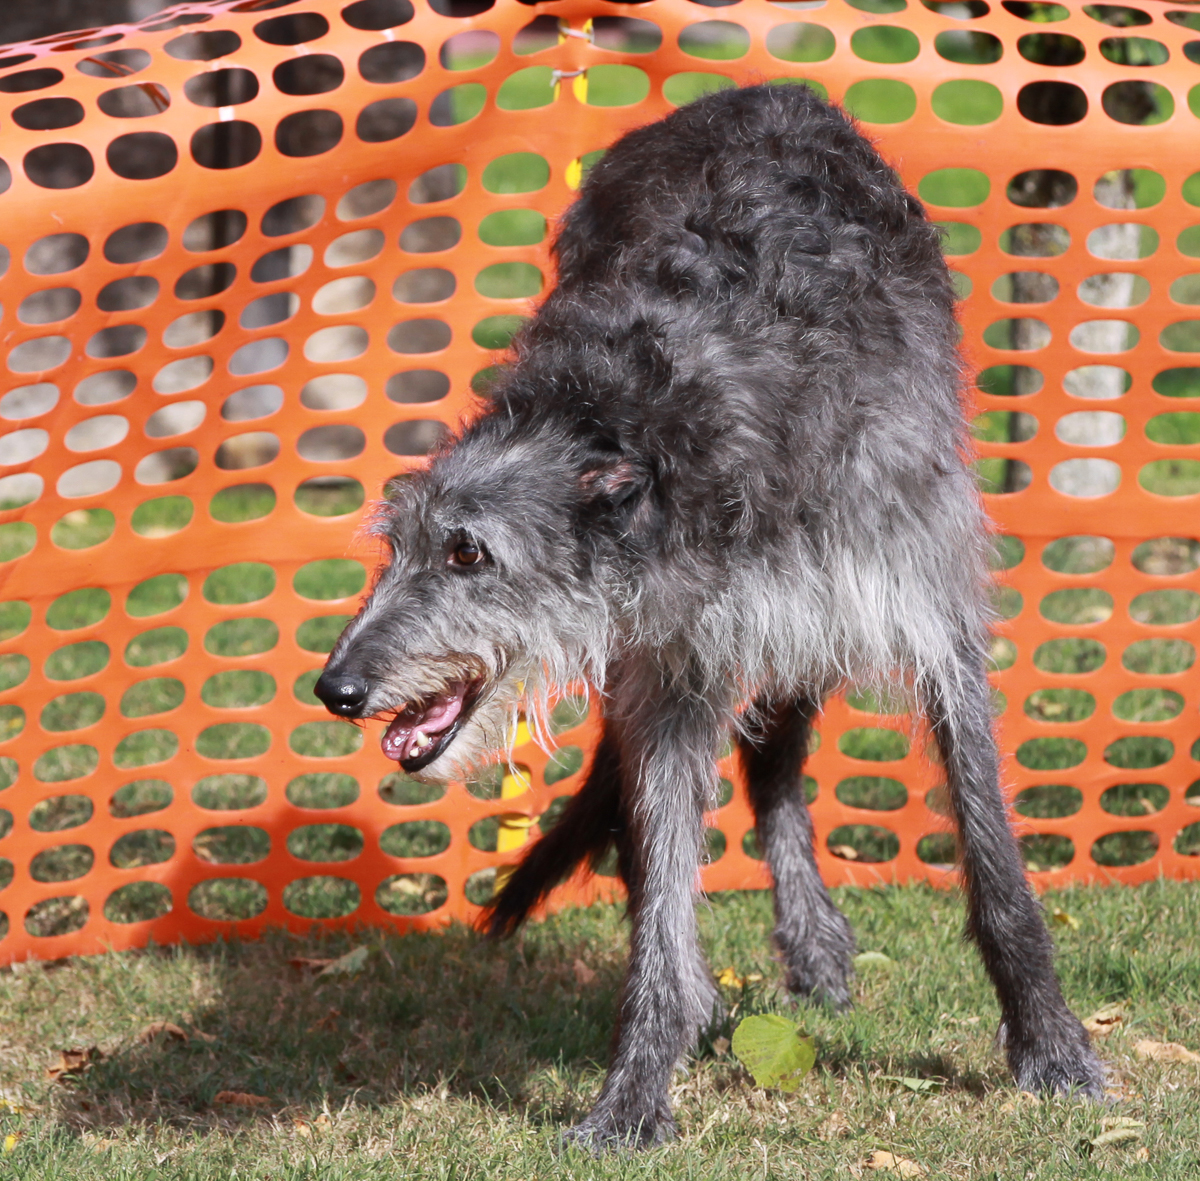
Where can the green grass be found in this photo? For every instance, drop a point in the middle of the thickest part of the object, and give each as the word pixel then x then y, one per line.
pixel 83 527
pixel 449 1058
pixel 162 516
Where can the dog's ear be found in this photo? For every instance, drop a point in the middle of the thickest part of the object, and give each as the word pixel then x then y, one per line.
pixel 616 483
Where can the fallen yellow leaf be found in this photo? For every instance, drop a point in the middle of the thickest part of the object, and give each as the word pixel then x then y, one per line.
pixel 1103 1021
pixel 1164 1051
pixel 241 1099
pixel 897 1164
pixel 1064 918
pixel 583 974
pixel 10 1141
pixel 1116 1136
pixel 302 1129
pixel 1118 1130
pixel 773 1050
pixel 846 852
pixel 728 978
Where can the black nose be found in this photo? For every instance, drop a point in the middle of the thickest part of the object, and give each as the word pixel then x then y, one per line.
pixel 343 693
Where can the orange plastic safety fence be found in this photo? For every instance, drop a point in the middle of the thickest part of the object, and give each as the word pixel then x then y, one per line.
pixel 255 254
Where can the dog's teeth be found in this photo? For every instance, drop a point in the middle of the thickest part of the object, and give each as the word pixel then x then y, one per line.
pixel 421 740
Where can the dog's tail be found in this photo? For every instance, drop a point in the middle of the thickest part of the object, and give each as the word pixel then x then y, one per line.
pixel 588 825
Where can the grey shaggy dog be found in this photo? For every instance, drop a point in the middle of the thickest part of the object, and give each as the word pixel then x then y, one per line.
pixel 723 476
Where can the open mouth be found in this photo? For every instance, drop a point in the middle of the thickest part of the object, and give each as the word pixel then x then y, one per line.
pixel 422 730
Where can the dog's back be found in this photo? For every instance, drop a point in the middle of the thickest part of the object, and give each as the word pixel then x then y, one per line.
pixel 752 306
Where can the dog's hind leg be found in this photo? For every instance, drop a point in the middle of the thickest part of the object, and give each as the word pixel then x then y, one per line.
pixel 668 738
pixel 590 823
pixel 813 936
pixel 1048 1049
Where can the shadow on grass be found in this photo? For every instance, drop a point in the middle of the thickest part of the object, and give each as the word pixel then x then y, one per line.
pixel 521 1026
pixel 906 1071
pixel 445 1013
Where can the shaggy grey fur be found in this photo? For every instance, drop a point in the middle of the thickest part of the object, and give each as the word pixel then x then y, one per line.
pixel 723 476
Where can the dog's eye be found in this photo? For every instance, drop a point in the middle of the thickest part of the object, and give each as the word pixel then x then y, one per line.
pixel 467 553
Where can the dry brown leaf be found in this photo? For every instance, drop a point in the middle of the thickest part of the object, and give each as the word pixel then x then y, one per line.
pixel 1164 1051
pixel 103 1145
pixel 846 852
pixel 835 1124
pixel 72 1062
pixel 302 1129
pixel 1103 1021
pixel 897 1164
pixel 204 1037
pixel 241 1099
pixel 310 963
pixel 151 1031
pixel 583 974
pixel 326 1022
pixel 720 1046
pixel 323 1122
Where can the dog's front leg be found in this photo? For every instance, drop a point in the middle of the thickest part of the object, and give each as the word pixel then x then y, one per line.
pixel 667 739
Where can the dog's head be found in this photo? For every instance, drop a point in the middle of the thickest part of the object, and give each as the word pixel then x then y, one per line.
pixel 489 598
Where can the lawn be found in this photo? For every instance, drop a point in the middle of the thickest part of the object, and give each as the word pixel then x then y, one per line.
pixel 445 1057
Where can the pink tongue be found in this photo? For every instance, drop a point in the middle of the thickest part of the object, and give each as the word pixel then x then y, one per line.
pixel 403 739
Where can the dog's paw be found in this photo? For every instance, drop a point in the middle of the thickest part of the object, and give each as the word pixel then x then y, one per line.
pixel 822 976
pixel 826 986
pixel 1070 1068
pixel 601 1133
pixel 820 961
